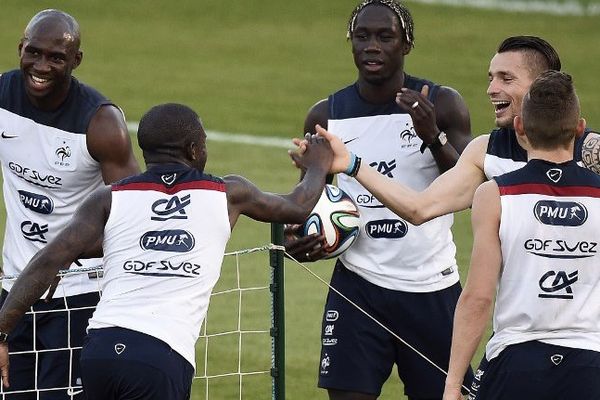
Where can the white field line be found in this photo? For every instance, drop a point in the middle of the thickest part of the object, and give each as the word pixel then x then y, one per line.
pixel 267 141
pixel 547 7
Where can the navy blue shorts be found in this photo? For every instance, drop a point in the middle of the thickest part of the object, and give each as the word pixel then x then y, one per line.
pixel 118 363
pixel 54 330
pixel 539 371
pixel 357 355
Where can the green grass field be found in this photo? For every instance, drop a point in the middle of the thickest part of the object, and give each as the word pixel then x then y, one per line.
pixel 256 67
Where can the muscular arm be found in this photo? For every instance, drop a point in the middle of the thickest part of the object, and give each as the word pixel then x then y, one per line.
pixel 243 197
pixel 109 143
pixel 453 118
pixel 86 226
pixel 474 305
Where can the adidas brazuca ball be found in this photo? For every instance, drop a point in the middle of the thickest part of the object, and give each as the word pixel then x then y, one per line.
pixel 336 217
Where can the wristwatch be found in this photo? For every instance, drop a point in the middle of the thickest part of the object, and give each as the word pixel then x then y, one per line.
pixel 3 337
pixel 438 142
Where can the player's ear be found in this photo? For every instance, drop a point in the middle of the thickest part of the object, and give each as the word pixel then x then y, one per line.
pixel 518 124
pixel 580 127
pixel 406 48
pixel 78 58
pixel 192 151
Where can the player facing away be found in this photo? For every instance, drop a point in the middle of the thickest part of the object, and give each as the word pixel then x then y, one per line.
pixel 535 236
pixel 517 62
pixel 59 141
pixel 161 262
pixel 396 271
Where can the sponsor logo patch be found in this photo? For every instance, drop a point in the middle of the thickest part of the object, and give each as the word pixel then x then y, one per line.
pixel 174 240
pixel 564 249
pixel 561 213
pixel 557 285
pixel 331 315
pixel 35 177
pixel 162 268
pixel 36 202
pixel 171 208
pixel 385 167
pixel 386 229
pixel 34 231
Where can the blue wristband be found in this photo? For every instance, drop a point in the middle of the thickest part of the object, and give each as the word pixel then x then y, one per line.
pixel 352 164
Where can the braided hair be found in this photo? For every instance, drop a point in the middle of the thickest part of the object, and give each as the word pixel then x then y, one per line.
pixel 397 7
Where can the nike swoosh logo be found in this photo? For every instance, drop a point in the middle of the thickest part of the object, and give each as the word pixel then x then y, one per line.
pixel 351 140
pixel 73 392
pixel 5 136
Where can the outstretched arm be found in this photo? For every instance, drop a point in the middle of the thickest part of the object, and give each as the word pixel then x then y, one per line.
pixel 474 305
pixel 452 191
pixel 244 197
pixel 85 227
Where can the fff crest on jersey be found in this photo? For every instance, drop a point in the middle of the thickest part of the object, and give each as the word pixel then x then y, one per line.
pixel 64 154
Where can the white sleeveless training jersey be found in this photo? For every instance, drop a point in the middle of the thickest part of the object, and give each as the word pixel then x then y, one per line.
pixel 47 173
pixel 163 249
pixel 389 251
pixel 549 288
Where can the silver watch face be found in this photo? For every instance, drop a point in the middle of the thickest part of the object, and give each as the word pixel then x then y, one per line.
pixel 442 138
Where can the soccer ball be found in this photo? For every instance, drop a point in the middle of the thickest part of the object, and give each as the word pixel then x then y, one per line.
pixel 336 217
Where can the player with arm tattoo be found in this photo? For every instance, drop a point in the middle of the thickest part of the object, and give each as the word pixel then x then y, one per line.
pixel 159 268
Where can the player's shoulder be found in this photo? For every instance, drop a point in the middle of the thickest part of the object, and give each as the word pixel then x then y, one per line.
pixel 486 194
pixel 317 114
pixel 474 153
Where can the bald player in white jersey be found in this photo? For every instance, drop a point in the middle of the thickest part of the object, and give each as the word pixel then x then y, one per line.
pixel 164 234
pixel 536 232
pixel 59 141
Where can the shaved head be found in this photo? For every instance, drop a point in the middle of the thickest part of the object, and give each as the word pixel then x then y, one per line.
pixel 54 21
pixel 175 131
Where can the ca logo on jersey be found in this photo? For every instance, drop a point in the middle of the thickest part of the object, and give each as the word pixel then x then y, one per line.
pixel 557 285
pixel 384 167
pixel 34 232
pixel 173 208
pixel 36 202
pixel 561 213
